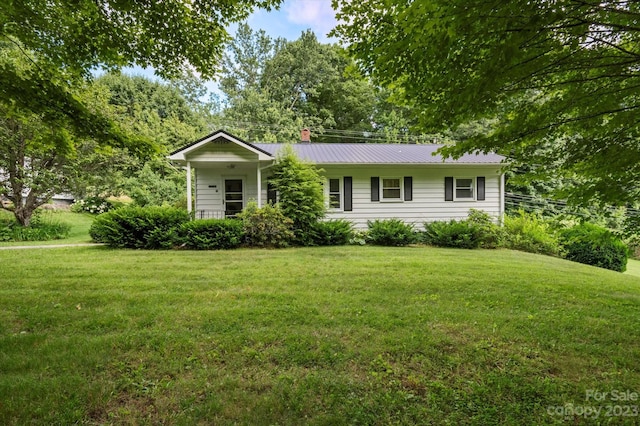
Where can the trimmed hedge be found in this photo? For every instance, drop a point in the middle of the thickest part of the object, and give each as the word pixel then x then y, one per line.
pixel 594 245
pixel 139 227
pixel 211 234
pixel 390 232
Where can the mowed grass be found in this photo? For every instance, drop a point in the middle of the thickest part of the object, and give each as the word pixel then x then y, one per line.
pixel 633 267
pixel 326 336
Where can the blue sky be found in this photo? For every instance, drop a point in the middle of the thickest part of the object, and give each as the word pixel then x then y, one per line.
pixel 294 17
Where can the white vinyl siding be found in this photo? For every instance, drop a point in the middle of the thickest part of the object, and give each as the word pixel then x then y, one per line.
pixel 428 189
pixel 210 187
pixel 222 152
pixel 427 203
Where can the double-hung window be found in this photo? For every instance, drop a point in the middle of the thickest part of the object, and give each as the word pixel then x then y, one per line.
pixel 464 189
pixel 391 189
pixel 335 194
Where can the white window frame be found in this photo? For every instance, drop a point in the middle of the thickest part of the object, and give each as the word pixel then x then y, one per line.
pixel 392 200
pixel 340 193
pixel 473 189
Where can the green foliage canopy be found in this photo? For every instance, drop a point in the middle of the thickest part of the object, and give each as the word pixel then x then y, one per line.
pixel 166 35
pixel 560 72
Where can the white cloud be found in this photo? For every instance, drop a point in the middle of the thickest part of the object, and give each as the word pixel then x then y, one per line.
pixel 315 14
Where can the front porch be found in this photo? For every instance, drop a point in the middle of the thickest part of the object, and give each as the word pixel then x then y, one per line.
pixel 224 173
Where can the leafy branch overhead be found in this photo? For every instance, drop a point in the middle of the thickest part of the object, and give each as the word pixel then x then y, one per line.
pixel 168 36
pixel 65 41
pixel 565 72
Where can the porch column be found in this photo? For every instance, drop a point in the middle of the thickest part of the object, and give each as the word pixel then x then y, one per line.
pixel 189 207
pixel 502 208
pixel 259 176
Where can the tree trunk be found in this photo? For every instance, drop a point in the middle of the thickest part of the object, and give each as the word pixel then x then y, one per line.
pixel 23 215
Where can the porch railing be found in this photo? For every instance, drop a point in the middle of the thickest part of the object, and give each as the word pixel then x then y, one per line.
pixel 209 214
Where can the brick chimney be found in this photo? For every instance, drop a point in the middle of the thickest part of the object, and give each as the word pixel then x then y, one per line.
pixel 305 136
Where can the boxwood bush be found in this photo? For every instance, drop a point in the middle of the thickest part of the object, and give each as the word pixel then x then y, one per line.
pixel 335 232
pixel 594 245
pixel 211 234
pixel 390 232
pixel 139 227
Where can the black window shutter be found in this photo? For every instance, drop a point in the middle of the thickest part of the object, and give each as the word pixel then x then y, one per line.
pixel 448 188
pixel 375 189
pixel 271 193
pixel 408 188
pixel 348 193
pixel 480 184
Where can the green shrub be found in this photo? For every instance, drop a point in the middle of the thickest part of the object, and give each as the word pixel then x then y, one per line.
pixel 359 238
pixel 594 245
pixel 455 233
pixel 489 233
pixel 211 234
pixel 477 230
pixel 390 232
pixel 139 227
pixel 529 232
pixel 300 193
pixel 336 232
pixel 266 226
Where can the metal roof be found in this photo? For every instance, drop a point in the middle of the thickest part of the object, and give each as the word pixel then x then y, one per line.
pixel 360 153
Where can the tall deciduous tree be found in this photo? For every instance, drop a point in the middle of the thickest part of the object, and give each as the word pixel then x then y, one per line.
pixel 564 74
pixel 274 88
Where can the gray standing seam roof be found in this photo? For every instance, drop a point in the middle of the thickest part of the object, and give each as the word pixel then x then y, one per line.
pixel 359 153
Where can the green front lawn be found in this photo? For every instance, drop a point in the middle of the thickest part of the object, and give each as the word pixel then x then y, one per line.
pixel 347 335
pixel 633 267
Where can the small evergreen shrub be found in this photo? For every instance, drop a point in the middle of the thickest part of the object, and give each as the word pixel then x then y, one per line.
pixel 594 245
pixel 139 227
pixel 390 232
pixel 455 233
pixel 212 234
pixel 477 230
pixel 266 226
pixel 528 232
pixel 337 232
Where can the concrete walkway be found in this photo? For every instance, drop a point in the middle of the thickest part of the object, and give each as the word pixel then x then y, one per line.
pixel 51 246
